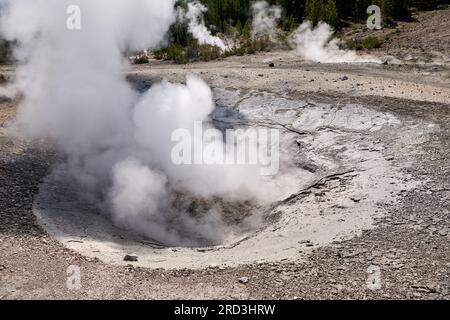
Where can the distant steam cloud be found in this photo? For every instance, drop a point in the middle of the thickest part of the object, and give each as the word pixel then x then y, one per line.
pixel 265 19
pixel 312 43
pixel 317 44
pixel 196 24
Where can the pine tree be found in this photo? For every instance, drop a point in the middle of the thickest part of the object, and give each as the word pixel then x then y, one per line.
pixel 226 28
pixel 401 8
pixel 289 23
pixel 315 11
pixel 387 9
pixel 239 27
pixel 332 14
pixel 360 9
pixel 247 30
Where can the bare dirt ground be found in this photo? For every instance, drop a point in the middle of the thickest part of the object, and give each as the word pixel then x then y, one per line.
pixel 426 40
pixel 408 231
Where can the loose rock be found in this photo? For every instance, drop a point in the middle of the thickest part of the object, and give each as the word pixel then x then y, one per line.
pixel 243 280
pixel 130 258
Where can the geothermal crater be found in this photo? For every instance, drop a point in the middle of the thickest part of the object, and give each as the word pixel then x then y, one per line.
pixel 335 175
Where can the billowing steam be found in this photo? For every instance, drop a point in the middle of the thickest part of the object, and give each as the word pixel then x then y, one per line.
pixel 196 24
pixel 311 43
pixel 317 44
pixel 265 19
pixel 117 140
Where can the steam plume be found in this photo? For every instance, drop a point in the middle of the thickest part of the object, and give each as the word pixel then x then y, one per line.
pixel 265 19
pixel 117 140
pixel 197 27
pixel 316 44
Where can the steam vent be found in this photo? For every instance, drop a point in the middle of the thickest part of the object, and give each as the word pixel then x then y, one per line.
pixel 335 171
pixel 224 150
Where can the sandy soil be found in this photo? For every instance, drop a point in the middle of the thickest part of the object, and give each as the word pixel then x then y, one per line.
pixel 394 208
pixel 424 40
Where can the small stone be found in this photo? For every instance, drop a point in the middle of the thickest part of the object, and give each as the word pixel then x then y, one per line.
pixel 130 258
pixel 243 280
pixel 343 78
pixel 431 288
pixel 271 65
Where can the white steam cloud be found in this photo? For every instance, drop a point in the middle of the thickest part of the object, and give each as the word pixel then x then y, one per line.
pixel 317 44
pixel 265 19
pixel 116 139
pixel 311 43
pixel 196 24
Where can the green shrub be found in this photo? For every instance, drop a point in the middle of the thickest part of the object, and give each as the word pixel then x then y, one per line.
pixel 250 50
pixel 242 50
pixel 428 4
pixel 208 53
pixel 140 60
pixel 355 45
pixel 160 54
pixel 368 43
pixel 372 43
pixel 322 10
pixel 177 53
pixel 261 44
